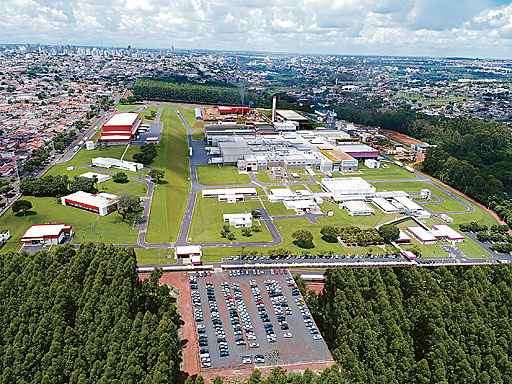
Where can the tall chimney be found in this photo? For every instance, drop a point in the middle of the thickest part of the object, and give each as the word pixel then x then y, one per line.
pixel 274 106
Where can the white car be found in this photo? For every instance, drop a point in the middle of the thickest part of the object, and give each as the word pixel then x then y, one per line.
pixel 246 360
pixel 287 335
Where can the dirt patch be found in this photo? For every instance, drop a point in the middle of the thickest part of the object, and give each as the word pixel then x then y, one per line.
pixel 179 280
pixel 235 375
pixel 400 137
pixel 315 287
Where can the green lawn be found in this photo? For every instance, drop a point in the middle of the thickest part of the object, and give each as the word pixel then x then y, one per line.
pixel 170 200
pixel 207 221
pixel 277 209
pixel 220 175
pixel 83 159
pixel 387 171
pixel 154 256
pixel 264 177
pixel 129 107
pixel 341 217
pixel 88 226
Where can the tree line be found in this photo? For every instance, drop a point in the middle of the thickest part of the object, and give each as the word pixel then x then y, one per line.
pixel 209 93
pixel 443 325
pixel 84 316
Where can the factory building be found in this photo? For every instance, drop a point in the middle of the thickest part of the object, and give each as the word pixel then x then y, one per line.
pixel 230 195
pixel 47 234
pixel 357 208
pixel 107 162
pixel 101 203
pixel 228 110
pixel 348 188
pixel 341 161
pixel 120 128
pixel 359 151
pixel 238 220
pixel 290 116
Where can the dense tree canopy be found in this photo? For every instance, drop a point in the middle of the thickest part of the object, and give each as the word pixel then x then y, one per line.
pixel 83 316
pixel 445 325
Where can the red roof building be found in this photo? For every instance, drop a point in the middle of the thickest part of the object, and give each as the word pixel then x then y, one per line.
pixel 121 128
pixel 223 110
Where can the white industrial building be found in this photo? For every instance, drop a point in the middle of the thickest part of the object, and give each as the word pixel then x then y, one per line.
pixel 348 188
pixel 384 205
pixel 444 232
pixel 189 254
pixel 303 206
pixel 281 194
pixel 49 234
pixel 101 203
pixel 106 162
pixel 407 204
pixel 238 220
pixel 100 178
pixel 357 208
pixel 230 195
pixel 423 235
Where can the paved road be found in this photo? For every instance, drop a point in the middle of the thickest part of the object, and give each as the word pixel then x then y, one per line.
pixel 155 129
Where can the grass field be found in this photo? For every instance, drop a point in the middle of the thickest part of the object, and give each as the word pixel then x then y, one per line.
pixel 170 200
pixel 129 107
pixel 196 125
pixel 154 256
pixel 220 175
pixel 207 221
pixel 277 209
pixel 88 226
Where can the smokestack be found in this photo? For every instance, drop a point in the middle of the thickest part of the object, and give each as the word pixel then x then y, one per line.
pixel 274 106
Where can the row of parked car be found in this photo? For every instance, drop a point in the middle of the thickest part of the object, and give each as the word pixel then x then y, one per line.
pixel 280 305
pixel 262 311
pixel 217 321
pixel 204 354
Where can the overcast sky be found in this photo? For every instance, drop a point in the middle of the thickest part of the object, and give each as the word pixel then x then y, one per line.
pixel 390 27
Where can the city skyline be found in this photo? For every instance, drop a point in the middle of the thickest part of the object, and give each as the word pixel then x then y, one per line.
pixel 480 28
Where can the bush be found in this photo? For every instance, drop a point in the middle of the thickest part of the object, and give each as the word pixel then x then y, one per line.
pixel 120 177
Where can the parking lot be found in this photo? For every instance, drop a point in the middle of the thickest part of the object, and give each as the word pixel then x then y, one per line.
pixel 248 318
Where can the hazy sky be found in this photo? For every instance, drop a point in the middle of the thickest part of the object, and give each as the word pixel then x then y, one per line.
pixel 390 27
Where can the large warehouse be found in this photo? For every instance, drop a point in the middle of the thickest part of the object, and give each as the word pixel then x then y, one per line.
pixel 101 203
pixel 47 234
pixel 348 188
pixel 120 128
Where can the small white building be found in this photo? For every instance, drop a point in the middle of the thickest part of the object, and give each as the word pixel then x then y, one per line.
pixel 425 194
pixel 89 145
pixel 5 235
pixel 107 162
pixel 357 208
pixel 189 254
pixel 230 195
pixel 303 206
pixel 100 178
pixel 444 232
pixel 372 163
pixel 407 204
pixel 238 220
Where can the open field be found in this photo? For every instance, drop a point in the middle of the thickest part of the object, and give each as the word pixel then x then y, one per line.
pixel 154 256
pixel 277 209
pixel 170 200
pixel 387 171
pixel 88 227
pixel 220 175
pixel 196 125
pixel 129 107
pixel 207 221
